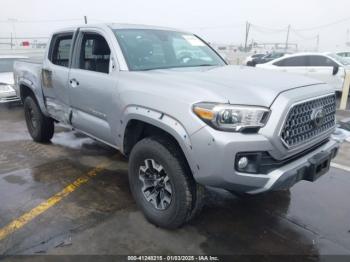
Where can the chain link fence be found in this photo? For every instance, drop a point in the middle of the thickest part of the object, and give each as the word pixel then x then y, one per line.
pixel 27 46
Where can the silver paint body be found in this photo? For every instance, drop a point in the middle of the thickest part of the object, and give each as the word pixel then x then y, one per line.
pixel 103 104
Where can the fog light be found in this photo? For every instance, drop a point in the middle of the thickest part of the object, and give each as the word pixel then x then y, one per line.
pixel 242 162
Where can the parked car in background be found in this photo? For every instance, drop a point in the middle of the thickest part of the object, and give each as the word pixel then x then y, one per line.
pixel 325 67
pixel 7 92
pixel 249 60
pixel 342 60
pixel 266 58
pixel 345 56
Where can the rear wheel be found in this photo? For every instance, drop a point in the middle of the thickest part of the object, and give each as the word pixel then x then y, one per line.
pixel 40 127
pixel 162 183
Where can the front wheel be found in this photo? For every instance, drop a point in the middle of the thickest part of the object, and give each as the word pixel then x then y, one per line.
pixel 162 183
pixel 40 127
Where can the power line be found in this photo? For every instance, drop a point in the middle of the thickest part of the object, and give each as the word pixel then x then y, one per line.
pixel 216 27
pixel 264 29
pixel 302 36
pixel 24 37
pixel 39 21
pixel 325 25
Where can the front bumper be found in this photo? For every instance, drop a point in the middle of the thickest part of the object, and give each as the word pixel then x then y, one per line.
pixel 215 158
pixel 9 97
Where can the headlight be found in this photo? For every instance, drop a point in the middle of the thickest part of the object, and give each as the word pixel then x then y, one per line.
pixel 232 117
pixel 6 88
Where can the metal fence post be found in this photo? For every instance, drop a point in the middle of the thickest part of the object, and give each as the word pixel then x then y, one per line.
pixel 345 93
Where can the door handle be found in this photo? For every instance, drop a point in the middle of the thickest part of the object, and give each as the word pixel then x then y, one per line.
pixel 312 70
pixel 73 82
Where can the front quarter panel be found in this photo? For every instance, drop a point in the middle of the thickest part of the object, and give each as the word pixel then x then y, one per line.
pixel 165 122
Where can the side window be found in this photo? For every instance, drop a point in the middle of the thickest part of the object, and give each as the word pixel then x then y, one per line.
pixel 94 53
pixel 320 61
pixel 60 49
pixel 293 61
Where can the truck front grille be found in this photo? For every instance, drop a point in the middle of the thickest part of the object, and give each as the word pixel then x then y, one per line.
pixel 308 120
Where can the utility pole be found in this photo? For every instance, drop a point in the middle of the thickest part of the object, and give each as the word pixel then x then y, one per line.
pixel 85 19
pixel 317 42
pixel 287 40
pixel 13 21
pixel 247 29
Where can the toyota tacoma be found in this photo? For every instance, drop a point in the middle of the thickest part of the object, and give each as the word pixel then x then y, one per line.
pixel 184 118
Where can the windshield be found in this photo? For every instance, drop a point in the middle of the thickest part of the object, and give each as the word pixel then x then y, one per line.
pixel 147 49
pixel 341 60
pixel 6 64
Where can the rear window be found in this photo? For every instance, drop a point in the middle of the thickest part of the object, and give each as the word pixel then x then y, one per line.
pixel 306 60
pixel 320 61
pixel 60 49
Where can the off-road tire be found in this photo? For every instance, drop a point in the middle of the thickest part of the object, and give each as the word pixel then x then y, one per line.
pixel 185 201
pixel 43 129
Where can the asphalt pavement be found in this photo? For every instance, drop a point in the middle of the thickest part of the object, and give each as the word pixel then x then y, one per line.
pixel 72 197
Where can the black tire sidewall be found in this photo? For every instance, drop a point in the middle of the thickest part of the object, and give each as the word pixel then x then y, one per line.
pixel 34 132
pixel 176 213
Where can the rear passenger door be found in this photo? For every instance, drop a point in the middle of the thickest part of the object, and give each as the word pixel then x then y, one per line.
pixel 321 68
pixel 55 74
pixel 92 88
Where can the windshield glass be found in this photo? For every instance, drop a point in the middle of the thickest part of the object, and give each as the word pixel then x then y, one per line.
pixel 147 49
pixel 6 64
pixel 341 60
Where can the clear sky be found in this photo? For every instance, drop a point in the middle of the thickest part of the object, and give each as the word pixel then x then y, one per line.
pixel 221 21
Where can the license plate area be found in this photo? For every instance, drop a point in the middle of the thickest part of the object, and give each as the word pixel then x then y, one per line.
pixel 319 165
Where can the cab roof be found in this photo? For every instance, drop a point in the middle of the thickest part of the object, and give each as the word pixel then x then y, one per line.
pixel 119 26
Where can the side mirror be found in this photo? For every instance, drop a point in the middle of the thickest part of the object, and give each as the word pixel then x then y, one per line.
pixel 335 69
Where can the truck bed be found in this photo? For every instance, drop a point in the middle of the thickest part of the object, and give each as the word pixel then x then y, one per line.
pixel 30 71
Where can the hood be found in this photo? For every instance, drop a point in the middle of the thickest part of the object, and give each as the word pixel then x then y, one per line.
pixel 226 84
pixel 6 78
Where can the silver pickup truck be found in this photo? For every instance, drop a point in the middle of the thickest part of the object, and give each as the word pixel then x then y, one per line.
pixel 185 119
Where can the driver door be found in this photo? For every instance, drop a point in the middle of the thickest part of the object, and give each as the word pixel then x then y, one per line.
pixel 92 88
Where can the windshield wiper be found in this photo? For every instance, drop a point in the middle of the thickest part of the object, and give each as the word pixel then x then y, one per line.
pixel 205 65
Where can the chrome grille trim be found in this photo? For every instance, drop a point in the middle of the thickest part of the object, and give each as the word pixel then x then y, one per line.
pixel 298 129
